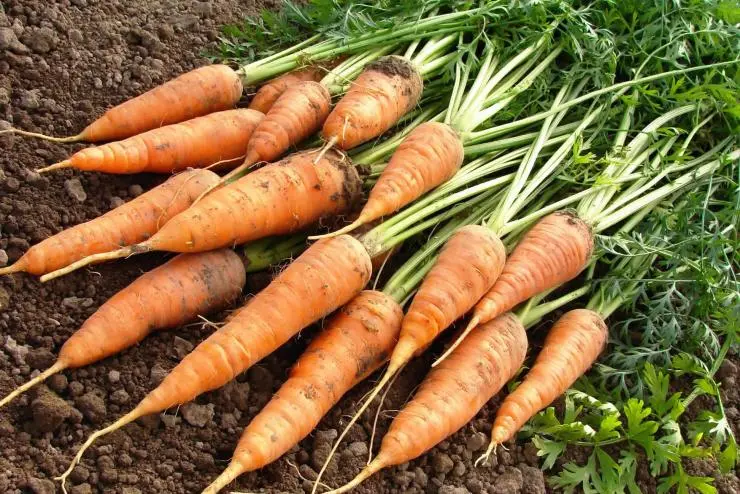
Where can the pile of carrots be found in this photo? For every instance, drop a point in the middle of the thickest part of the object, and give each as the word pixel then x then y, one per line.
pixel 427 163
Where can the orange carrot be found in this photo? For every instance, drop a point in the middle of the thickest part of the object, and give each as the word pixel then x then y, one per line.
pixel 128 224
pixel 385 91
pixel 281 198
pixel 430 155
pixel 326 276
pixel 571 347
pixel 355 343
pixel 269 93
pixel 467 267
pixel 198 92
pixel 452 394
pixel 554 251
pixel 166 297
pixel 197 143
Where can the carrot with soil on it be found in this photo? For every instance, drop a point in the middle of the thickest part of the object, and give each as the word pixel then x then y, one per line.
pixel 170 295
pixel 128 224
pixel 451 394
pixel 278 199
pixel 198 143
pixel 326 276
pixel 365 329
pixel 196 93
pixel 269 93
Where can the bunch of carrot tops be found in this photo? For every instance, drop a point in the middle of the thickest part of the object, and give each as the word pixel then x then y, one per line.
pixel 485 162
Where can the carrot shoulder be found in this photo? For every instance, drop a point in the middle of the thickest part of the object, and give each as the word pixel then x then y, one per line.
pixel 269 93
pixel 355 343
pixel 127 224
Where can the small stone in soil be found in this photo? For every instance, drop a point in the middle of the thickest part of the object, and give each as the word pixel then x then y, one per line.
pixel 509 481
pixel 57 382
pixel 135 190
pixel 18 352
pixel 49 410
pixel 120 397
pixel 358 449
pixel 74 188
pixel 3 258
pixel 476 442
pixel 92 407
pixel 198 415
pixel 181 347
pixel 442 463
pixel 114 376
pixel 451 489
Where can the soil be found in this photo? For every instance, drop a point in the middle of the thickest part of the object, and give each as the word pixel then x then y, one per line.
pixel 62 63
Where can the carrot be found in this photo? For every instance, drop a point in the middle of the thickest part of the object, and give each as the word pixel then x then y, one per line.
pixel 571 347
pixel 166 297
pixel 326 276
pixel 197 143
pixel 467 267
pixel 198 92
pixel 452 394
pixel 431 154
pixel 553 251
pixel 269 93
pixel 281 198
pixel 385 91
pixel 127 224
pixel 354 344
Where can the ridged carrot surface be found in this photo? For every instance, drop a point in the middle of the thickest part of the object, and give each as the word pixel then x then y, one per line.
pixel 269 93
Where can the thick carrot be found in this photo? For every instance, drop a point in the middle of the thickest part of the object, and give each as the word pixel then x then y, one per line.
pixel 166 297
pixel 197 143
pixel 281 198
pixel 571 347
pixel 326 276
pixel 198 92
pixel 354 344
pixel 269 93
pixel 385 91
pixel 431 154
pixel 467 267
pixel 452 394
pixel 128 224
pixel 553 251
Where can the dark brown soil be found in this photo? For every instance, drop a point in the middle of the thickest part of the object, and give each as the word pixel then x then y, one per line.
pixel 62 63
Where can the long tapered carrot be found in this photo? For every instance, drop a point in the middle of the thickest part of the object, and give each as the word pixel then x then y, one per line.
pixel 354 344
pixel 468 265
pixel 386 90
pixel 166 297
pixel 269 92
pixel 128 224
pixel 431 154
pixel 452 394
pixel 325 277
pixel 571 347
pixel 197 143
pixel 281 198
pixel 555 250
pixel 199 92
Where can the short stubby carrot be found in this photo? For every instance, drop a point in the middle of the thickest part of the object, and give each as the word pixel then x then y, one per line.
pixel 430 155
pixel 326 276
pixel 385 91
pixel 571 347
pixel 354 344
pixel 128 224
pixel 281 198
pixel 199 92
pixel 452 393
pixel 269 92
pixel 219 137
pixel 555 250
pixel 467 267
pixel 166 297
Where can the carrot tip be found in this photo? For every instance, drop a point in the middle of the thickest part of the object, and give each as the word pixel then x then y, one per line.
pixel 26 133
pixel 471 326
pixel 227 476
pixel 355 224
pixel 487 455
pixel 13 268
pixel 104 256
pixel 55 166
pixel 57 367
pixel 329 144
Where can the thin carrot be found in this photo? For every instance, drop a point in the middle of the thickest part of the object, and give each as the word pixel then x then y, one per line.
pixel 571 347
pixel 467 267
pixel 281 198
pixel 196 143
pixel 555 250
pixel 452 394
pixel 354 344
pixel 166 297
pixel 269 93
pixel 431 154
pixel 198 92
pixel 127 224
pixel 385 91
pixel 326 276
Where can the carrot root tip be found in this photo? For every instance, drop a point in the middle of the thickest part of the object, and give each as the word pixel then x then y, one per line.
pixel 57 367
pixel 227 476
pixel 483 459
pixel 329 144
pixel 75 138
pixel 471 326
pixel 95 258
pixel 355 224
pixel 55 166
